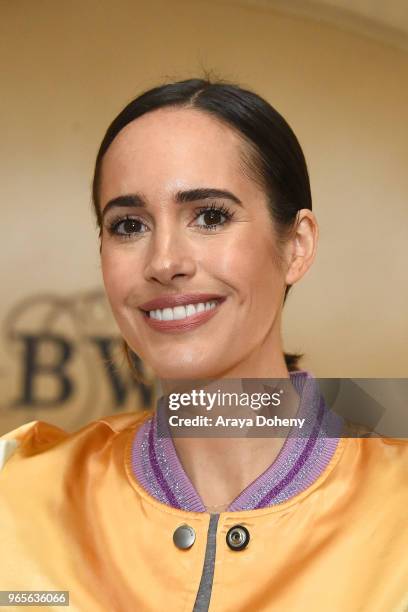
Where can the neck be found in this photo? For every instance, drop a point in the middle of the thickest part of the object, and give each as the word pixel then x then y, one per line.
pixel 221 468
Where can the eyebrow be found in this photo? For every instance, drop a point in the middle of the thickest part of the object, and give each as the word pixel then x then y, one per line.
pixel 181 197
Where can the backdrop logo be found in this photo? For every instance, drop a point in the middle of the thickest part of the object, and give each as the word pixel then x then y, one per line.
pixel 64 354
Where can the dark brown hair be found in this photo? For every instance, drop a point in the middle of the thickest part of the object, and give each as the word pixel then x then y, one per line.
pixel 274 157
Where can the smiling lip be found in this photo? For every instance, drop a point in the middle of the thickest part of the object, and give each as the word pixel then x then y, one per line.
pixel 170 301
pixel 188 323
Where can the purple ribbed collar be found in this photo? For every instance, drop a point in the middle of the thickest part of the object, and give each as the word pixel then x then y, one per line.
pixel 299 463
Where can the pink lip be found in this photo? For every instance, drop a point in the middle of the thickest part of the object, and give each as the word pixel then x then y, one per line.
pixel 169 301
pixel 183 325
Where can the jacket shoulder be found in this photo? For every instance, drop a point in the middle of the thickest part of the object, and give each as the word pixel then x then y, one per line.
pixel 37 437
pixel 379 460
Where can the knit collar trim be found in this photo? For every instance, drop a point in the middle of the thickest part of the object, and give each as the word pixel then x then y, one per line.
pixel 301 460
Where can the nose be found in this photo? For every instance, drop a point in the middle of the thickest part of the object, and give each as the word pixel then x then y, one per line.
pixel 169 256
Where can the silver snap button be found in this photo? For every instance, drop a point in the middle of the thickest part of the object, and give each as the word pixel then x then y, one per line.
pixel 184 537
pixel 237 537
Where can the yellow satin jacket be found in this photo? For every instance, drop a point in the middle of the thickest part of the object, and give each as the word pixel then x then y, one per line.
pixel 74 518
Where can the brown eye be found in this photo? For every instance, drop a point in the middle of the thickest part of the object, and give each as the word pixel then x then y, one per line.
pixel 212 217
pixel 127 227
pixel 131 225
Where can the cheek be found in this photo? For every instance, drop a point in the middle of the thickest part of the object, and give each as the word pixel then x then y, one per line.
pixel 118 275
pixel 249 265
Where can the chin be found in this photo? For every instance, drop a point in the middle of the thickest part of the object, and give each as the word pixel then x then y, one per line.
pixel 175 372
pixel 183 367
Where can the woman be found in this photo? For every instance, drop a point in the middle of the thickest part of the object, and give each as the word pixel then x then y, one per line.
pixel 202 197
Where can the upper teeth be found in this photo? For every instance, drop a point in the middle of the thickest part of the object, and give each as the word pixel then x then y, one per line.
pixel 180 312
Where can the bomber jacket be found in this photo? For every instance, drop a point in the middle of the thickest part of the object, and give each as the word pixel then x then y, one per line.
pixel 74 517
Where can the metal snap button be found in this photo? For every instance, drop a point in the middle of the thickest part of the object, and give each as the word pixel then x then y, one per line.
pixel 237 537
pixel 184 537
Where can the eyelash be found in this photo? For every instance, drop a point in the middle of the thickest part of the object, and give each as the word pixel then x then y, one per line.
pixel 224 210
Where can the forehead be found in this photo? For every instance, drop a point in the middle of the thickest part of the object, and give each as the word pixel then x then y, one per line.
pixel 172 148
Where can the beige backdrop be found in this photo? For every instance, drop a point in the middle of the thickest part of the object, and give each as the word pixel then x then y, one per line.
pixel 69 67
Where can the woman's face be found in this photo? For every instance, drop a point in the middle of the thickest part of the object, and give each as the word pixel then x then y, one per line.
pixel 184 224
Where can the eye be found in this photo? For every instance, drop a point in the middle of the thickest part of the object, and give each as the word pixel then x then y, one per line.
pixel 130 226
pixel 213 216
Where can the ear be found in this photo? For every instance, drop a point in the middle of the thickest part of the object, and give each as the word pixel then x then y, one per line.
pixel 302 246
